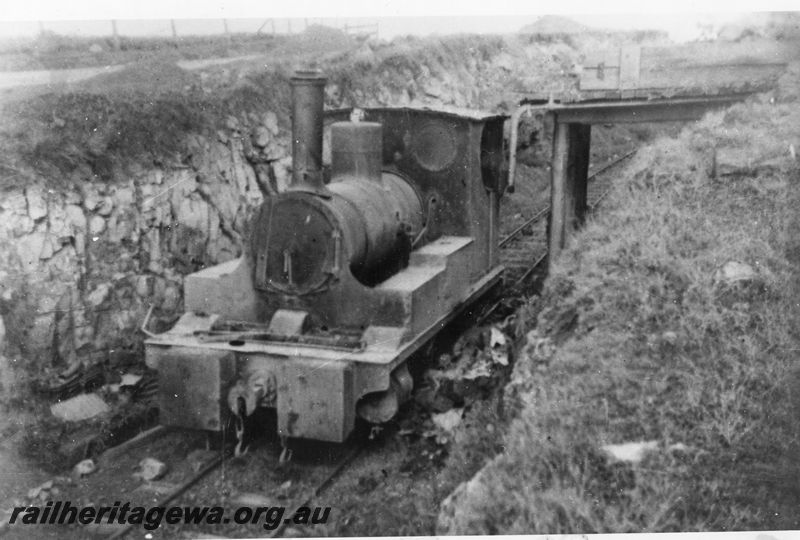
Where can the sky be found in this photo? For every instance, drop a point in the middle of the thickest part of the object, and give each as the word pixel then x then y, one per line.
pixel 680 18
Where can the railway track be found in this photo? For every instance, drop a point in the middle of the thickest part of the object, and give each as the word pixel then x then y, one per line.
pixel 524 249
pixel 200 470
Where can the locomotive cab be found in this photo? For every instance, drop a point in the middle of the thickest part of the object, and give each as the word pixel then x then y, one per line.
pixel 341 281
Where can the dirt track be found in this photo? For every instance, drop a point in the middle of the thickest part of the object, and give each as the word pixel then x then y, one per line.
pixel 52 77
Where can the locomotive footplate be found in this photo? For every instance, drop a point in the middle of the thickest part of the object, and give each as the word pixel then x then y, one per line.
pixel 208 375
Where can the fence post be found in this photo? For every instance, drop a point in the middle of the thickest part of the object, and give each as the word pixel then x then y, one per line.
pixel 225 27
pixel 174 30
pixel 115 34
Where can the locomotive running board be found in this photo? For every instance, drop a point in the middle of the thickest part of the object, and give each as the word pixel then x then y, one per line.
pixel 314 389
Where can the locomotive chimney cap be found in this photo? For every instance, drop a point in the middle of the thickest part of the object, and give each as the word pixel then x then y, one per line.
pixel 308 76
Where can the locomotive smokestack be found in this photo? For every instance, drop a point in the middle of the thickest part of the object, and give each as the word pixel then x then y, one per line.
pixel 308 92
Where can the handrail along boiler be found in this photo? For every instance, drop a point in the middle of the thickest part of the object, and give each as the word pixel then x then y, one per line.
pixel 347 272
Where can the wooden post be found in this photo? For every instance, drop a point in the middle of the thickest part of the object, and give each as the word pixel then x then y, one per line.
pixel 569 174
pixel 174 30
pixel 225 28
pixel 115 34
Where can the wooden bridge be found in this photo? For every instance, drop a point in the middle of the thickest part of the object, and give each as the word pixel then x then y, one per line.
pixel 656 84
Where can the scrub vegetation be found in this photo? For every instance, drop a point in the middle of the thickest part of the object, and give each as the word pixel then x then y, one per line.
pixel 653 340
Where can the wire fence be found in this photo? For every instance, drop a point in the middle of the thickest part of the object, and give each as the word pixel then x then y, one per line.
pixel 177 28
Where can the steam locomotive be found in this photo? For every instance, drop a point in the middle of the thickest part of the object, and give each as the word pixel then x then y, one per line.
pixel 348 272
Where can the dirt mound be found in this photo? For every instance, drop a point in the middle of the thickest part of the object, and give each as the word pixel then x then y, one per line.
pixel 554 24
pixel 322 39
pixel 150 76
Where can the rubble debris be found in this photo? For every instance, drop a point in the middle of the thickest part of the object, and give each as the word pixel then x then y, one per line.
pixel 130 379
pixel 735 272
pixel 41 491
pixel 84 468
pixel 477 359
pixel 678 449
pixel 499 346
pixel 150 469
pixel 631 452
pixel 448 421
pixel 283 490
pixel 538 351
pixel 80 407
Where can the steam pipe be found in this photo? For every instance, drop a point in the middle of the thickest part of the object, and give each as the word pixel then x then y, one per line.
pixel 308 93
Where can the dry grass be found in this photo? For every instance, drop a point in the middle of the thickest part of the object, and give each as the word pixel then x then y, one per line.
pixel 661 351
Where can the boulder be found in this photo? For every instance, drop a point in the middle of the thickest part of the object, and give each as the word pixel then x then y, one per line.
pixel 150 469
pixel 97 225
pixel 124 196
pixel 735 272
pixel 84 468
pixel 75 217
pixel 143 286
pixel 271 122
pixel 105 207
pixel 232 123
pixel 172 298
pixel 37 206
pixel 29 249
pixel 261 137
pixel 80 407
pixel 98 295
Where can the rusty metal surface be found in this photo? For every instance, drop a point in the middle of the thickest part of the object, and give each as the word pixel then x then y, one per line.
pixel 201 373
pixel 192 385
pixel 316 400
pixel 302 243
pixel 308 94
pixel 356 151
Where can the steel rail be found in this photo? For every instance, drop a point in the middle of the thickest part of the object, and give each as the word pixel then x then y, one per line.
pixel 546 211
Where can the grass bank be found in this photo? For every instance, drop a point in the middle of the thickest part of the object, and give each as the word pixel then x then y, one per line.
pixel 642 337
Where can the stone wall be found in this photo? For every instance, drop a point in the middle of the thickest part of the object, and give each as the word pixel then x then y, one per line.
pixel 79 270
